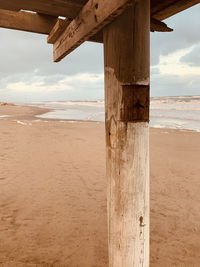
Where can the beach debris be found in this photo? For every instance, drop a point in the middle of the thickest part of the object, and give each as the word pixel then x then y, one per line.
pixel 6 104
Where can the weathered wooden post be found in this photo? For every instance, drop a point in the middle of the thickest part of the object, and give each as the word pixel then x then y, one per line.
pixel 126 55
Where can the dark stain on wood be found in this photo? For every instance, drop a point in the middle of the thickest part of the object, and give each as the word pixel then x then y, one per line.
pixel 135 103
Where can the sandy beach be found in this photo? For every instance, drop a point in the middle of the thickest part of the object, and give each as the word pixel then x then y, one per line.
pixel 53 193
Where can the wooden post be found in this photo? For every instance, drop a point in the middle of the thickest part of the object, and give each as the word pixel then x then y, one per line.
pixel 126 55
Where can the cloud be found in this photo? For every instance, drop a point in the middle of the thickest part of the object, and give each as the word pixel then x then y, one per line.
pixel 38 87
pixel 174 85
pixel 27 71
pixel 27 66
pixel 29 53
pixel 193 57
pixel 186 27
pixel 172 64
pixel 74 87
pixel 155 70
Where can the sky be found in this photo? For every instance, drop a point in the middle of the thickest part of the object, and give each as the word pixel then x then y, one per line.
pixel 28 73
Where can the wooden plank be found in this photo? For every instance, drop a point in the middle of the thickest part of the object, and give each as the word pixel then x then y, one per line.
pixel 159 26
pixel 97 38
pixel 92 18
pixel 156 26
pixel 66 8
pixel 61 25
pixel 27 21
pixel 126 57
pixel 57 30
pixel 161 10
pixel 70 8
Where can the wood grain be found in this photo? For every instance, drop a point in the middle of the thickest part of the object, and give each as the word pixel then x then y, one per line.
pixel 163 9
pixel 50 7
pixel 127 135
pixel 60 26
pixel 70 8
pixel 159 26
pixel 57 30
pixel 92 18
pixel 27 21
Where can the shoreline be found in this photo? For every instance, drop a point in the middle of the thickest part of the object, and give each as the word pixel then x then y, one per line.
pixel 33 112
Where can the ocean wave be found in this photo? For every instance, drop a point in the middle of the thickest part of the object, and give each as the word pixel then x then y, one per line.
pixel 178 112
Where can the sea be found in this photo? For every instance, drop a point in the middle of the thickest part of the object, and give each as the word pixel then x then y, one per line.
pixel 175 112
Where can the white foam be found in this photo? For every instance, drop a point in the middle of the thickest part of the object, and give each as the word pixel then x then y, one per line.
pixel 4 116
pixel 178 112
pixel 69 121
pixel 23 123
pixel 158 126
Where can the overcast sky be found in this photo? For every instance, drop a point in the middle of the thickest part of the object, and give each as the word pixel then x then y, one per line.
pixel 27 71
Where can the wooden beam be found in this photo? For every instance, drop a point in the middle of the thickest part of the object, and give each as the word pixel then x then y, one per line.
pixel 57 30
pixel 92 18
pixel 38 23
pixel 156 26
pixel 60 26
pixel 45 24
pixel 26 21
pixel 161 10
pixel 97 38
pixel 159 26
pixel 70 8
pixel 66 8
pixel 126 57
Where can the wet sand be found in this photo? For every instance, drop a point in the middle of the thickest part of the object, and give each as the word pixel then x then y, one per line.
pixel 53 193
